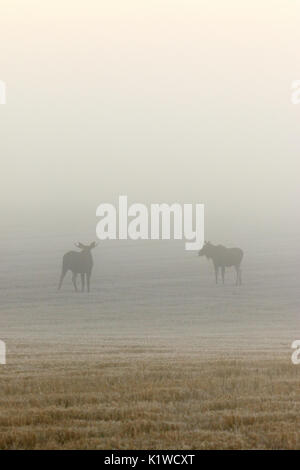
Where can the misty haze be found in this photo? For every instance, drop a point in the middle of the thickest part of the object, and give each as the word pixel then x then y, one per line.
pixel 166 102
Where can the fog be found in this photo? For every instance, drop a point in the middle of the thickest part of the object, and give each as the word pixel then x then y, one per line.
pixel 163 101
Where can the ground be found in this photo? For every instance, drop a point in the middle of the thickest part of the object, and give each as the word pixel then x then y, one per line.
pixel 141 396
pixel 155 357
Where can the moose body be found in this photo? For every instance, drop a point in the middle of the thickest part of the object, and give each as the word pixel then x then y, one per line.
pixel 223 257
pixel 79 263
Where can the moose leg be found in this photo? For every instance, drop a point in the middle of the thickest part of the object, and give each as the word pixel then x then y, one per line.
pixel 223 274
pixel 74 277
pixel 82 281
pixel 238 276
pixel 216 273
pixel 88 277
pixel 63 273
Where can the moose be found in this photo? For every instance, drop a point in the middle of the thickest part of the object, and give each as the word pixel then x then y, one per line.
pixel 223 257
pixel 79 263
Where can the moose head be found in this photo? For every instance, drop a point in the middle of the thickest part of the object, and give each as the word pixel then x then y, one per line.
pixel 206 250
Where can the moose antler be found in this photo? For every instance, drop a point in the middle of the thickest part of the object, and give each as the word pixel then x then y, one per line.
pixel 79 245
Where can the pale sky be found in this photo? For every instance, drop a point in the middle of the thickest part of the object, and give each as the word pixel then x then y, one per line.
pixel 161 100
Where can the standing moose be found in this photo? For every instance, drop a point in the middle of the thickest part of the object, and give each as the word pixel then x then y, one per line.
pixel 223 257
pixel 79 263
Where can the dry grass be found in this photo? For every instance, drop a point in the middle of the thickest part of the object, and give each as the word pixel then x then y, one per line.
pixel 147 398
pixel 156 356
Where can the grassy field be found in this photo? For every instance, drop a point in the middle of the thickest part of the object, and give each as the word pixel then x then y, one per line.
pixel 155 357
pixel 147 397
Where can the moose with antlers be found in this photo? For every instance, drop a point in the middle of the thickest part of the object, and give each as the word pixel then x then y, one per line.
pixel 79 263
